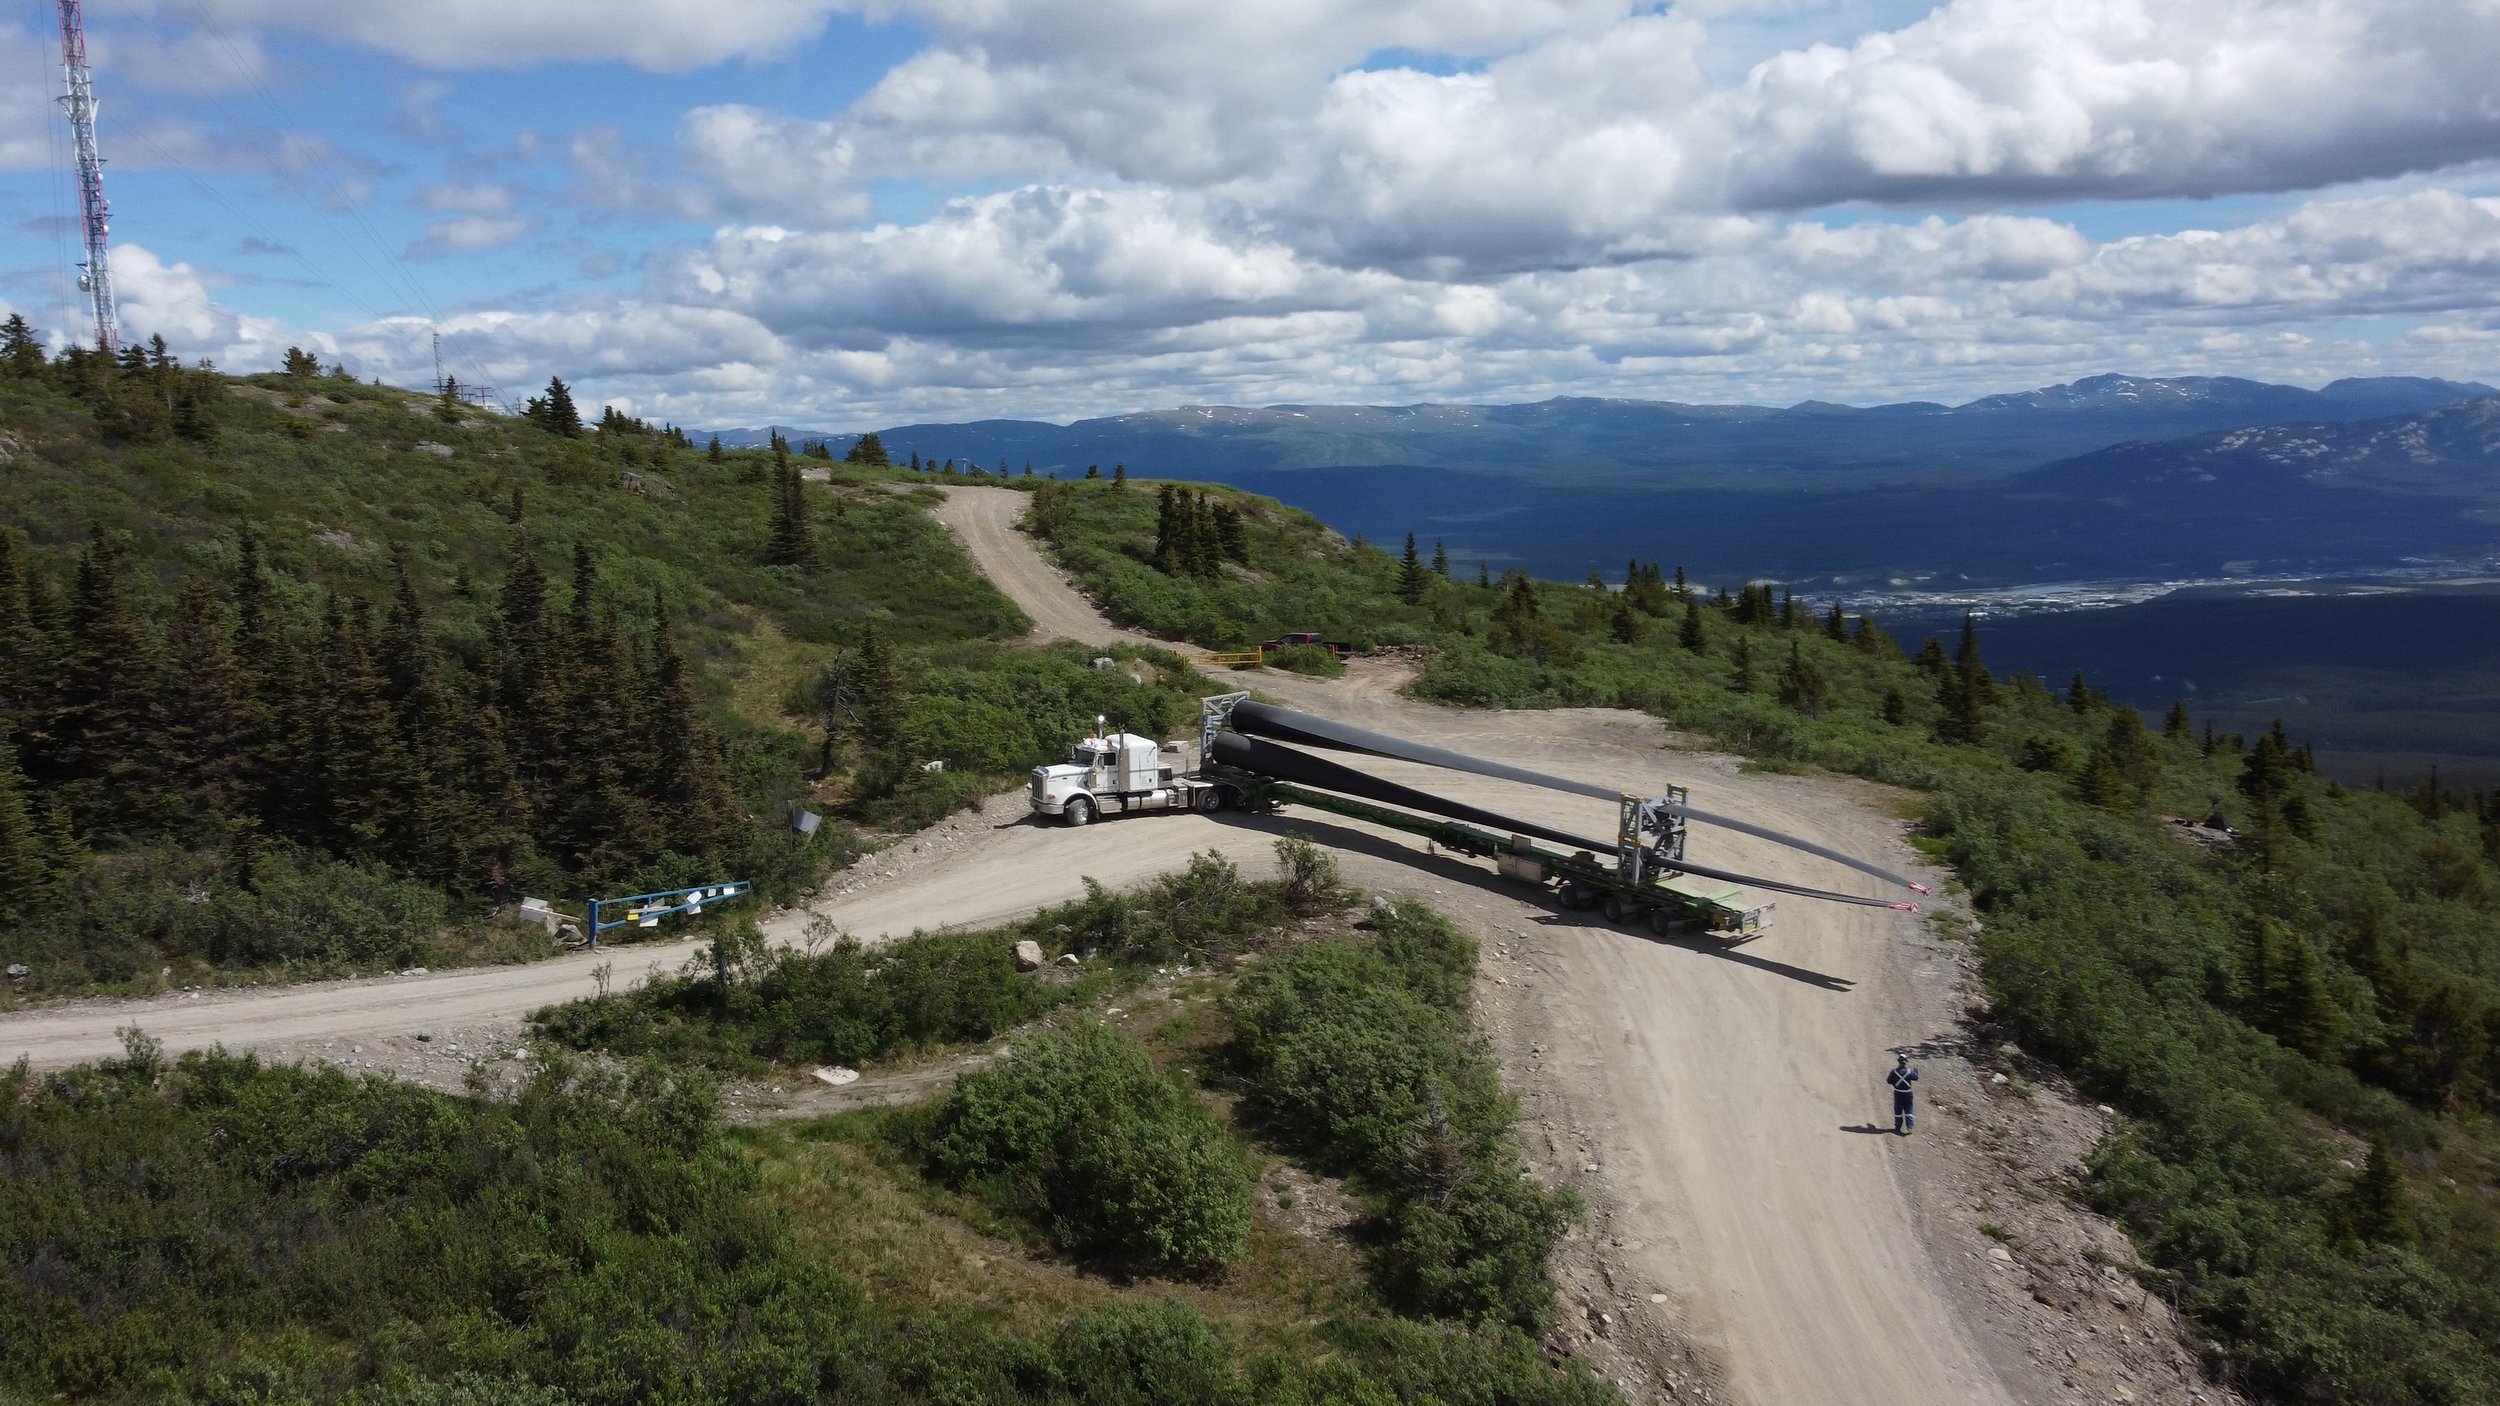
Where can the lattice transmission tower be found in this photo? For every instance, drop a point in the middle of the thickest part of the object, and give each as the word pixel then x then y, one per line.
pixel 95 276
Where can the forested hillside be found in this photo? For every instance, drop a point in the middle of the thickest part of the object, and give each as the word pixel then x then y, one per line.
pixel 2299 1020
pixel 306 674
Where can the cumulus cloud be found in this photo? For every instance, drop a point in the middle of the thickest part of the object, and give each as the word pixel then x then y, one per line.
pixel 663 35
pixel 470 234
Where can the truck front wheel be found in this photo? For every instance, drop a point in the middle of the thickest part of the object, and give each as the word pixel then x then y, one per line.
pixel 1079 811
pixel 1211 799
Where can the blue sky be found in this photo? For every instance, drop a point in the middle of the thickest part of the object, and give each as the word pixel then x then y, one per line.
pixel 842 215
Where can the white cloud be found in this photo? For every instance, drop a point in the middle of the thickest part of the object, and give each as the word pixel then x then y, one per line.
pixel 662 35
pixel 471 234
pixel 467 199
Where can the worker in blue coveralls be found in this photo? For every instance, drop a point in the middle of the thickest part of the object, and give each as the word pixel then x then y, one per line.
pixel 1902 1079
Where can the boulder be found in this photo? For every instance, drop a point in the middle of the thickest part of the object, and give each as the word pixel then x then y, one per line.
pixel 836 1075
pixel 1028 955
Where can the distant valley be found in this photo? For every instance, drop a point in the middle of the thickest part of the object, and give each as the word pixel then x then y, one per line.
pixel 2112 477
pixel 2079 491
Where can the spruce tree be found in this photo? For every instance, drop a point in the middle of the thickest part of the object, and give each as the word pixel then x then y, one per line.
pixel 1484 577
pixel 405 644
pixel 1119 475
pixel 2174 724
pixel 1965 690
pixel 21 354
pixel 1440 559
pixel 1896 707
pixel 880 693
pixel 1622 621
pixel 686 787
pixel 105 730
pixel 1801 683
pixel 560 415
pixel 2377 1209
pixel 1691 634
pixel 24 866
pixel 715 452
pixel 1744 667
pixel 208 722
pixel 793 539
pixel 28 653
pixel 1412 580
pixel 359 764
pixel 1835 625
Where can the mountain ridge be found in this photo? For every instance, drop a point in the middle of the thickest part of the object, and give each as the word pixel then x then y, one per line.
pixel 1586 438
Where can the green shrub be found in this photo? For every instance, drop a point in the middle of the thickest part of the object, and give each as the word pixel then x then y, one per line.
pixel 1076 1132
pixel 1316 660
pixel 1360 1054
pixel 846 1004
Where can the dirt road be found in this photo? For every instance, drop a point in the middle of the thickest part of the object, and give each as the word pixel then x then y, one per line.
pixel 1713 1102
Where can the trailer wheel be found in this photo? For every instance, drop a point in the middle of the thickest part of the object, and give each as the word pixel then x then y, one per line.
pixel 1080 811
pixel 1618 908
pixel 1662 921
pixel 1211 799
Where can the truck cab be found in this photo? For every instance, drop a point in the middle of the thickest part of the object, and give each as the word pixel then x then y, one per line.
pixel 1103 775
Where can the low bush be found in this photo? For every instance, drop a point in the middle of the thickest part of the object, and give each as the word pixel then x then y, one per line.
pixel 1076 1132
pixel 845 1004
pixel 1359 1052
pixel 1312 659
pixel 219 1232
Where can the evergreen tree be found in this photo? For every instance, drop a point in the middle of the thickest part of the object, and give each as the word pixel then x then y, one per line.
pixel 25 869
pixel 21 354
pixel 360 772
pixel 1119 475
pixel 1744 666
pixel 2285 991
pixel 2377 1210
pixel 1232 534
pixel 1484 577
pixel 870 450
pixel 793 538
pixel 1896 707
pixel 687 788
pixel 2174 724
pixel 880 689
pixel 2120 772
pixel 1966 690
pixel 556 412
pixel 1412 579
pixel 208 722
pixel 1835 626
pixel 1691 634
pixel 1802 684
pixel 1682 588
pixel 300 362
pixel 715 452
pixel 405 644
pixel 104 733
pixel 1622 621
pixel 1788 606
pixel 2079 694
pixel 28 653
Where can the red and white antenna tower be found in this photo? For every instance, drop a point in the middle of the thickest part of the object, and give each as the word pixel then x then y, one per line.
pixel 95 276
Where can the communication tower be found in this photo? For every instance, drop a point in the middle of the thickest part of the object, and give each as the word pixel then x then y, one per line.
pixel 95 277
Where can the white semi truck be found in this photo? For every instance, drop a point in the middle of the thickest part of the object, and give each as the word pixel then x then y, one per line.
pixel 1115 773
